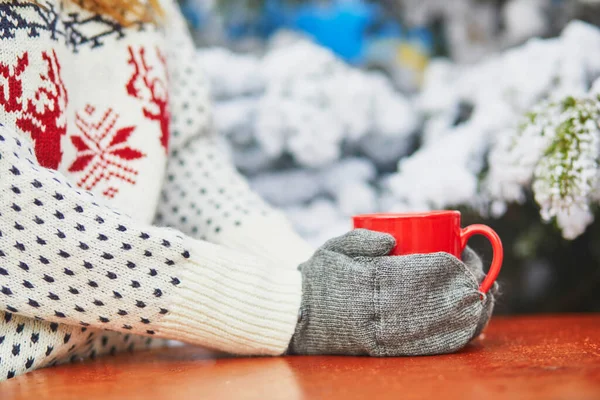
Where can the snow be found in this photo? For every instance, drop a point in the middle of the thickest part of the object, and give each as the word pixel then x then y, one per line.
pixel 325 141
pixel 299 99
pixel 524 19
pixel 501 89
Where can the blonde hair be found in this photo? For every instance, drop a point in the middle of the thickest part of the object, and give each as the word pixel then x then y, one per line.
pixel 126 12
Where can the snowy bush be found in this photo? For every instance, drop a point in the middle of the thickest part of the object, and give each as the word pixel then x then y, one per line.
pixel 309 130
pixel 520 107
pixel 299 99
pixel 563 142
pixel 324 141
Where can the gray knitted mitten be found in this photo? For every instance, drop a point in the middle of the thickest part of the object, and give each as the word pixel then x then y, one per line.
pixel 359 301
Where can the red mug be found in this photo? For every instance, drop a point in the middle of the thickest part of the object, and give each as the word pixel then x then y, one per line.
pixel 432 232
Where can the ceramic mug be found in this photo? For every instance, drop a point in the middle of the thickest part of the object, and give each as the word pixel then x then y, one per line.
pixel 431 232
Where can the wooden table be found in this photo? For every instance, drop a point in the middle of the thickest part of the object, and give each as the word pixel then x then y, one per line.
pixel 537 357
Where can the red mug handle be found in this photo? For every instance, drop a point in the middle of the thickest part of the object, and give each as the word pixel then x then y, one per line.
pixel 477 229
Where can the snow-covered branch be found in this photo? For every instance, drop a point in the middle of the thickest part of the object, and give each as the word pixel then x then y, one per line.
pixel 520 121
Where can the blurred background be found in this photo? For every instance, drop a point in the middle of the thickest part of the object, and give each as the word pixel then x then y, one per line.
pixel 334 108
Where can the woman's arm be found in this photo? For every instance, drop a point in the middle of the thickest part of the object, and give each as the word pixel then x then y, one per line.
pixel 203 195
pixel 66 258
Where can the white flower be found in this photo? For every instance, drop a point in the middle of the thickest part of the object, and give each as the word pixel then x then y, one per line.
pixel 499 90
pixel 515 154
pixel 573 222
pixel 566 176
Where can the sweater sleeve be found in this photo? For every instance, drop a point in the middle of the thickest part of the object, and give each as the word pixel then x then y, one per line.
pixel 67 258
pixel 204 195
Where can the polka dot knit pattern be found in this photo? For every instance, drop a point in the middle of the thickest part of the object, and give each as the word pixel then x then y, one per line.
pixel 68 259
pixel 204 196
pixel 28 344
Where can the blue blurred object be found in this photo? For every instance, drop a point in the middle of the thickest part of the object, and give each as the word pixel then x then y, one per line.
pixel 357 31
pixel 339 25
pixel 192 13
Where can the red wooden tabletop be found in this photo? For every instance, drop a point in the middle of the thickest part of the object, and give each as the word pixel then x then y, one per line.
pixel 535 357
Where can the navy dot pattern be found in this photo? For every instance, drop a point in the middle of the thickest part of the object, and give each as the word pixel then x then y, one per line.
pixel 189 98
pixel 69 264
pixel 27 344
pixel 204 196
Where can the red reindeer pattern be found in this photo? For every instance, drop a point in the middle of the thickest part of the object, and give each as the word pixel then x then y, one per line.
pixel 102 153
pixel 43 115
pixel 151 89
pixel 12 91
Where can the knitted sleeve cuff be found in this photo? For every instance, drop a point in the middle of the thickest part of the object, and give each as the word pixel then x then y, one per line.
pixel 233 302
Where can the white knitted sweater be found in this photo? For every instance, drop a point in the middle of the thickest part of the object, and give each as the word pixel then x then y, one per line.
pixel 121 220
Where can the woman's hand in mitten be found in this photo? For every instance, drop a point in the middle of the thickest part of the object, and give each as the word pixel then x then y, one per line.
pixel 357 300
